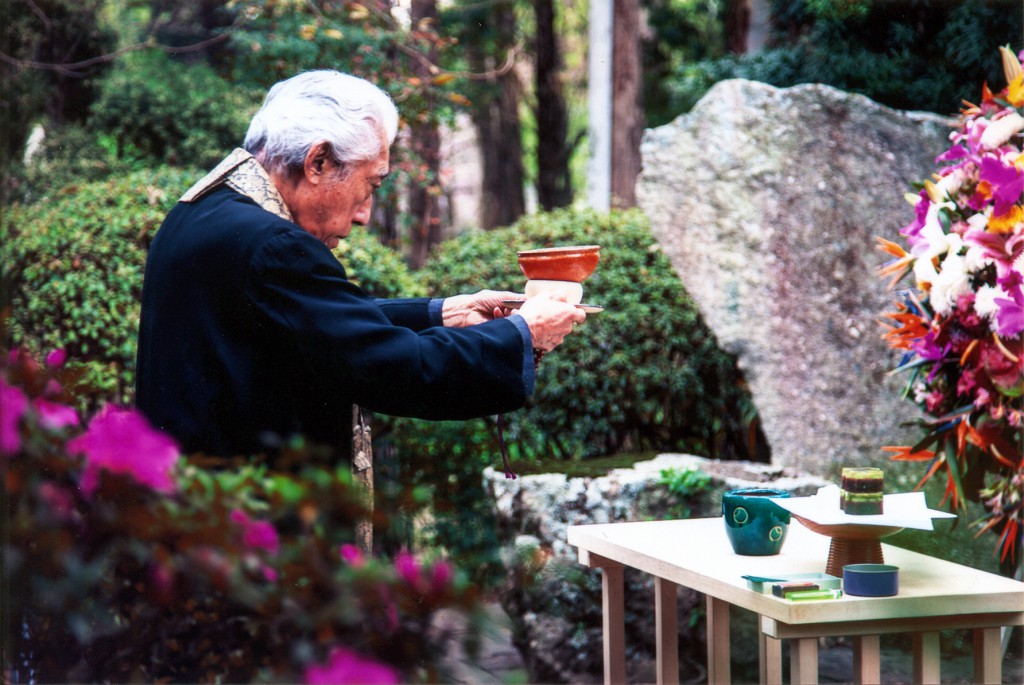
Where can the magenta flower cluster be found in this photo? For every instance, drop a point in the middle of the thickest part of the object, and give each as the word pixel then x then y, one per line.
pixel 38 421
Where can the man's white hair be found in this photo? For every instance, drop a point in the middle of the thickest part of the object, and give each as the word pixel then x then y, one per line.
pixel 347 111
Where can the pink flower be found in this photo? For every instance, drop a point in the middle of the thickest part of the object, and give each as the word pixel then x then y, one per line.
pixel 407 567
pixel 12 407
pixel 122 441
pixel 441 576
pixel 161 580
pixel 257 534
pixel 59 499
pixel 53 415
pixel 344 667
pixel 56 359
pixel 353 556
pixel 934 402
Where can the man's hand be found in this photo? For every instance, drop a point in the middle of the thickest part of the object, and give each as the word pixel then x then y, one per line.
pixel 468 310
pixel 549 320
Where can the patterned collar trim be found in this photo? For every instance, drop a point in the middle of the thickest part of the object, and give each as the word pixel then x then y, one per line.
pixel 243 173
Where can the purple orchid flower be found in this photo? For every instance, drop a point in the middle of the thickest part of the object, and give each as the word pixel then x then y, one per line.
pixel 1010 316
pixel 1007 183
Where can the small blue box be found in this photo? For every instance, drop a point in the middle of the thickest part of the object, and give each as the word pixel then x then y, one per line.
pixel 871 580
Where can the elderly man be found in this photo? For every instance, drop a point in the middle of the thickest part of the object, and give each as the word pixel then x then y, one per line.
pixel 251 331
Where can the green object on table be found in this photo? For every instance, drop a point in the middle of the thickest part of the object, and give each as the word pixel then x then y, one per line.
pixel 756 526
pixel 811 595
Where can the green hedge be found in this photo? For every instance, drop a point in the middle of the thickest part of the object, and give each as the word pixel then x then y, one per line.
pixel 73 270
pixel 155 108
pixel 645 374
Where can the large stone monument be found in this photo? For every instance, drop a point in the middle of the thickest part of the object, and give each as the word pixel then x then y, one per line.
pixel 768 202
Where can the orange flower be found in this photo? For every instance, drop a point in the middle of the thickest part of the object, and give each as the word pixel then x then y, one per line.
pixel 911 328
pixel 893 270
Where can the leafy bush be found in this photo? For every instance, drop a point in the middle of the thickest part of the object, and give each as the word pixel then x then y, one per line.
pixel 69 155
pixel 130 564
pixel 684 484
pixel 375 268
pixel 73 270
pixel 154 108
pixel 908 55
pixel 644 374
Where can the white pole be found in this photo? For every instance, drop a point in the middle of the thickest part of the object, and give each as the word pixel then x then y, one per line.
pixel 599 102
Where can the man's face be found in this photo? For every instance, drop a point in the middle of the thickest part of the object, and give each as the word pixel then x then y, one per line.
pixel 341 197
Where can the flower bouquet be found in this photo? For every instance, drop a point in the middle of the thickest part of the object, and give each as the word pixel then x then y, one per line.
pixel 962 327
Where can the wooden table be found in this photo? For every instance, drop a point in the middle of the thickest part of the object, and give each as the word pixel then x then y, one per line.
pixel 934 595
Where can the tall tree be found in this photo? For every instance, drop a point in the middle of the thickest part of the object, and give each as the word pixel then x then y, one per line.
pixel 627 103
pixel 425 145
pixel 487 34
pixel 554 178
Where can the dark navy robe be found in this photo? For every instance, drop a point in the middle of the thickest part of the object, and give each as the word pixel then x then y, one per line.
pixel 251 332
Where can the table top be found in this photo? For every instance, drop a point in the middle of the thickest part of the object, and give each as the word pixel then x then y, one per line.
pixel 696 553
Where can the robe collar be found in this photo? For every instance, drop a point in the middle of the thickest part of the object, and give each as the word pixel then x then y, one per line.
pixel 241 172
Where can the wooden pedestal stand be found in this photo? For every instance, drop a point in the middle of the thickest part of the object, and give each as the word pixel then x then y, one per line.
pixel 852 543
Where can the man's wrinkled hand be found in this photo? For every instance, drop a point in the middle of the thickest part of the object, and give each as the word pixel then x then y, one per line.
pixel 550 320
pixel 468 310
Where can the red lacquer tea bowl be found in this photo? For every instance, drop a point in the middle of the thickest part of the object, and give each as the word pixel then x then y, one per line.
pixel 572 263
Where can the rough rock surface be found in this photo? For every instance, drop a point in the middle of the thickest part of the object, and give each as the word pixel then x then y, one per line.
pixel 555 603
pixel 768 202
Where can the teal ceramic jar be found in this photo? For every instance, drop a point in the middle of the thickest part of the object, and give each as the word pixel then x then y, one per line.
pixel 756 526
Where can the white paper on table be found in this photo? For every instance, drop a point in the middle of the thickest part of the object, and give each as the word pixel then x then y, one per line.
pixel 905 510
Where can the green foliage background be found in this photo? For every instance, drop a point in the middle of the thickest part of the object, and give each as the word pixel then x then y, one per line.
pixel 158 109
pixel 923 55
pixel 73 266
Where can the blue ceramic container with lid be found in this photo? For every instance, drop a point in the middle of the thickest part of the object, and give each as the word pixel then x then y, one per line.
pixel 871 580
pixel 756 526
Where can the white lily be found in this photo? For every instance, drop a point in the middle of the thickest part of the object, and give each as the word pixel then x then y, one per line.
pixel 985 301
pixel 975 260
pixel 953 281
pixel 1001 130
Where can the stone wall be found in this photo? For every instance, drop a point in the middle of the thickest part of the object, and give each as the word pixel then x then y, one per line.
pixel 555 603
pixel 768 202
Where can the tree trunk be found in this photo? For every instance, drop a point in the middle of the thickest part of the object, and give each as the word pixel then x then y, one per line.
pixel 495 114
pixel 627 104
pixel 554 180
pixel 425 145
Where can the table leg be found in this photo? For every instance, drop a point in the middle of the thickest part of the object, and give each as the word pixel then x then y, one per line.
pixel 666 619
pixel 769 650
pixel 988 666
pixel 718 641
pixel 803 661
pixel 926 658
pixel 614 624
pixel 867 662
